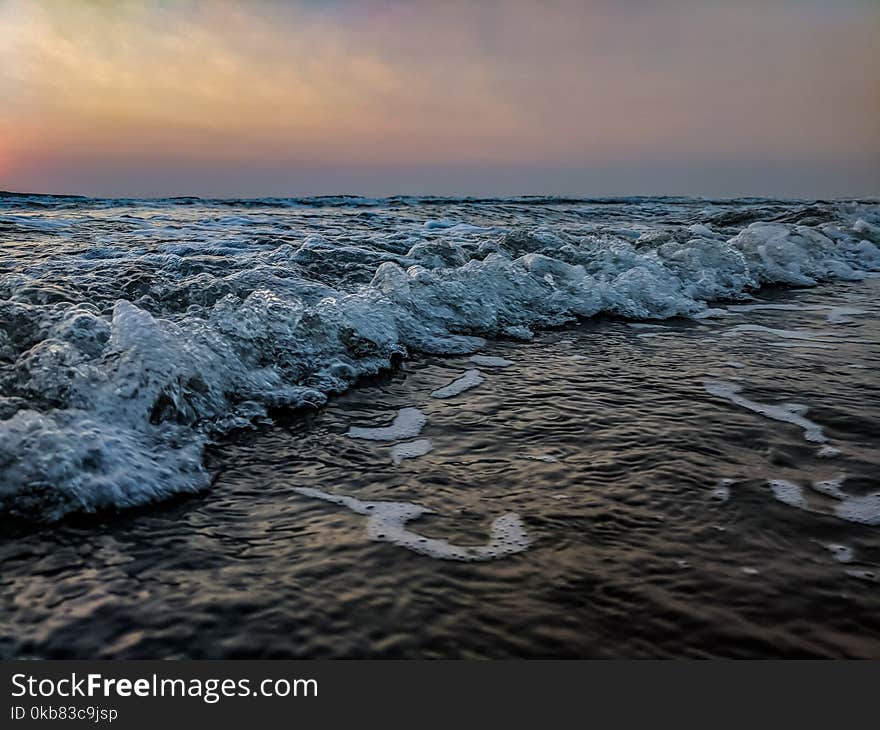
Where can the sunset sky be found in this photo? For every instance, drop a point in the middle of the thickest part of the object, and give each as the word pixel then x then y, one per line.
pixel 379 97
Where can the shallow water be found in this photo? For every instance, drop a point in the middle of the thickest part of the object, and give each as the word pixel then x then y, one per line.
pixel 653 530
pixel 658 495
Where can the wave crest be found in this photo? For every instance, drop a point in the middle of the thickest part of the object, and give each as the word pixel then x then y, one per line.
pixel 113 408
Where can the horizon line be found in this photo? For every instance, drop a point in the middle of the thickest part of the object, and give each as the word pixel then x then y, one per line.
pixel 873 197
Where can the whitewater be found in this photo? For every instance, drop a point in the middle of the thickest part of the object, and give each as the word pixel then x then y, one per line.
pixel 136 333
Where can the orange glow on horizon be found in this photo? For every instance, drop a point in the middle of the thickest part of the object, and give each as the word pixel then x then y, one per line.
pixel 380 83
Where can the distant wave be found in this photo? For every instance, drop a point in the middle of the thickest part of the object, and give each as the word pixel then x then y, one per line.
pixel 20 199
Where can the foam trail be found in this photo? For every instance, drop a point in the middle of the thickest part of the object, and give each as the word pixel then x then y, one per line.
pixel 841 553
pixel 863 510
pixel 410 450
pixel 831 487
pixel 834 315
pixel 722 490
pixel 803 345
pixel 408 424
pixel 788 493
pixel 471 379
pixel 769 307
pixel 386 522
pixel 787 413
pixel 828 452
pixel 488 361
pixel 547 458
pixel 824 336
pixel 843 315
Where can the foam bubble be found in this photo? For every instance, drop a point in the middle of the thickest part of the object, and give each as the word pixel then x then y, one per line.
pixel 386 522
pixel 410 450
pixel 866 575
pixel 711 313
pixel 831 487
pixel 828 452
pixel 843 315
pixel 722 490
pixel 864 509
pixel 548 458
pixel 822 336
pixel 834 315
pixel 841 553
pixel 471 379
pixel 768 307
pixel 488 361
pixel 407 424
pixel 788 493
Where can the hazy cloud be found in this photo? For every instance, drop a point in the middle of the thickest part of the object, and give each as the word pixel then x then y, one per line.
pixel 580 97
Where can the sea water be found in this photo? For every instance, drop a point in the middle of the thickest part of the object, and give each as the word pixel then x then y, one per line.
pixel 439 427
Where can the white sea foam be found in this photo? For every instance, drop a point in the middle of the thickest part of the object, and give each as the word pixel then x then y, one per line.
pixel 407 424
pixel 861 509
pixel 824 336
pixel 386 522
pixel 866 575
pixel 711 313
pixel 788 493
pixel 834 315
pixel 803 345
pixel 488 361
pixel 831 487
pixel 841 553
pixel 410 450
pixel 78 461
pixel 471 379
pixel 792 413
pixel 768 307
pixel 864 510
pixel 828 452
pixel 843 315
pixel 722 490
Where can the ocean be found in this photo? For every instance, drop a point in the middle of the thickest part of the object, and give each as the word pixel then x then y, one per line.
pixel 439 427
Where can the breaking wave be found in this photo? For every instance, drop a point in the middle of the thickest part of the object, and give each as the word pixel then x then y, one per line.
pixel 134 332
